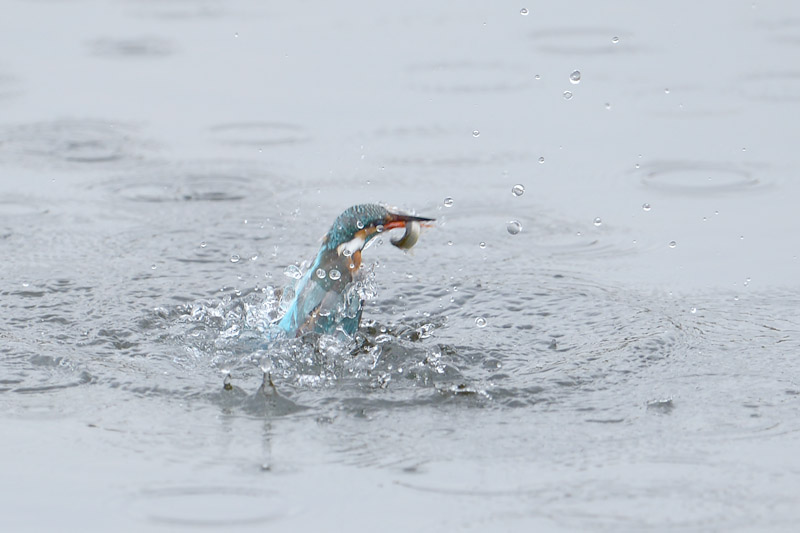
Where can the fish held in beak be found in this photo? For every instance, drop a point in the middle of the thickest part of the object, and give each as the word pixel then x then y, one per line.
pixel 410 236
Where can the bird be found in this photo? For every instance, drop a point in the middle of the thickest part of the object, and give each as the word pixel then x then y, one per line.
pixel 325 298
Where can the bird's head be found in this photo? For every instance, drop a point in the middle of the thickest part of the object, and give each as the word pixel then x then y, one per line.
pixel 354 228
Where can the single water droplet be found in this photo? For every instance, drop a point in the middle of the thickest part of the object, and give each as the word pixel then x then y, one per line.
pixel 236 34
pixel 575 77
pixel 615 40
pixel 578 234
pixel 541 160
pixel 476 133
pixel 480 322
pixel 673 244
pixel 253 257
pixel 482 244
pixel 523 12
pixel 448 202
pixel 203 244
pixel 449 243
pixel 693 310
pixel 537 77
pixel 518 189
pixel 359 224
pixel 741 237
pixel 598 222
pixel 608 106
pixel 646 207
pixel 636 165
pixel 567 95
pixel 666 91
pixel 235 258
pixel 514 227
pixel 705 219
pixel 334 274
pixel 379 228
pixel 321 273
pixel 153 267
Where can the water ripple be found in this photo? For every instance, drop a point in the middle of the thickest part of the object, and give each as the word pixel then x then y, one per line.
pixel 696 177
pixel 74 142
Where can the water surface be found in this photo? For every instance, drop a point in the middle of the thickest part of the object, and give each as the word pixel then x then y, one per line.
pixel 626 361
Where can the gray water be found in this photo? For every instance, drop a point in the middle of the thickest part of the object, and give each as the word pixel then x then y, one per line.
pixel 628 361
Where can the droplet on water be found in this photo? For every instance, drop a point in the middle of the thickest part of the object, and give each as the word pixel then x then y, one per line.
pixel 567 95
pixel 575 77
pixel 598 222
pixel 334 274
pixel 673 244
pixel 235 258
pixel 514 227
pixel 476 133
pixel 523 11
pixel 480 322
pixel 448 202
pixel 518 189
pixel 646 207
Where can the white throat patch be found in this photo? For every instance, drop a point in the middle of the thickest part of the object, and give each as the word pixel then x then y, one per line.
pixel 350 247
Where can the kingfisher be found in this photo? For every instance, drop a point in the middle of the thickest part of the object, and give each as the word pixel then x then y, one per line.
pixel 326 298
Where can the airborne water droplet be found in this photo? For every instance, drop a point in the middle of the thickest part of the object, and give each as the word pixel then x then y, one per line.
pixel 235 258
pixel 615 40
pixel 518 189
pixel 480 322
pixel 514 227
pixel 646 207
pixel 541 160
pixel 523 11
pixel 673 244
pixel 575 77
pixel 448 202
pixel 482 244
pixel 476 133
pixel 598 222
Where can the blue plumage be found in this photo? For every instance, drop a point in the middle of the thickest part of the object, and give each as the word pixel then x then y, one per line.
pixel 326 299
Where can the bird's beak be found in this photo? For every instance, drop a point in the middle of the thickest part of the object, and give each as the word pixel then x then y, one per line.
pixel 397 220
